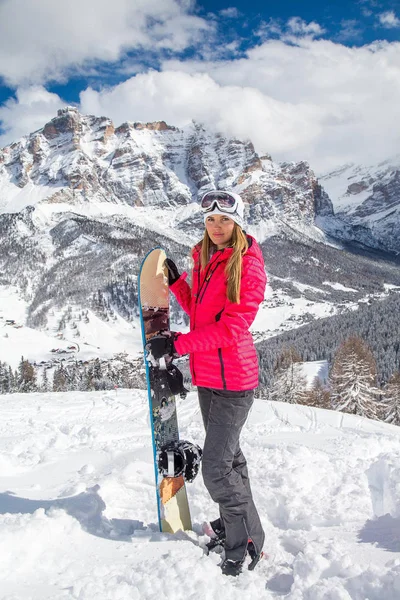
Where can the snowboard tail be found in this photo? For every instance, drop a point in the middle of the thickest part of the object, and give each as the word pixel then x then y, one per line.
pixel 172 501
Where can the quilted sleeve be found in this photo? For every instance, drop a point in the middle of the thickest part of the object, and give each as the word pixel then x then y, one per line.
pixel 182 292
pixel 235 318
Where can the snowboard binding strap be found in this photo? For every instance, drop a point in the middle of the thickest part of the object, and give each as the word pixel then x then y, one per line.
pixel 180 458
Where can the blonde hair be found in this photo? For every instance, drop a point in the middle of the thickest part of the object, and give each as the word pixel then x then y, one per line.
pixel 233 270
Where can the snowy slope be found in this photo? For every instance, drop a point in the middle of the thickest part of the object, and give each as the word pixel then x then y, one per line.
pixel 349 185
pixel 365 199
pixel 97 338
pixel 326 484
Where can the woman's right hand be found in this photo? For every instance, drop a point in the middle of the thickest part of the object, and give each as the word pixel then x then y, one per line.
pixel 173 273
pixel 162 344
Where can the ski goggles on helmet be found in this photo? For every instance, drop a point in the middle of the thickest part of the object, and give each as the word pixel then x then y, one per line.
pixel 224 201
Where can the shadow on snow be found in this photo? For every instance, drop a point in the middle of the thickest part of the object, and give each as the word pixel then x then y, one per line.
pixel 384 532
pixel 87 508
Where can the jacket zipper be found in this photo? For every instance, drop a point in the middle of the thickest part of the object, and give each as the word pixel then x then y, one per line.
pixel 197 301
pixel 193 370
pixel 194 319
pixel 221 360
pixel 200 287
pixel 207 281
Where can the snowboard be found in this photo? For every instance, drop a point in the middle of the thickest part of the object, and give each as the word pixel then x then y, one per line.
pixel 172 501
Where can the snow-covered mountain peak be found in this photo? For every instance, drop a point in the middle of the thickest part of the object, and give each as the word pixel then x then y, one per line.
pixel 86 160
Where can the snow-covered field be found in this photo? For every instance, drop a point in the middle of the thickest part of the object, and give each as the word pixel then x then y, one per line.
pixel 78 511
pixel 97 337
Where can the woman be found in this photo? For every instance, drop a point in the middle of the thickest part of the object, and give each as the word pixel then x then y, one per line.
pixel 228 284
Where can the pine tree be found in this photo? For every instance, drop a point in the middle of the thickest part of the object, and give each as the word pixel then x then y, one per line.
pixel 89 383
pixel 74 377
pixel 59 380
pixel 319 396
pixel 45 381
pixel 26 376
pixel 289 382
pixel 353 379
pixel 4 379
pixel 12 380
pixel 97 374
pixel 392 400
pixel 287 357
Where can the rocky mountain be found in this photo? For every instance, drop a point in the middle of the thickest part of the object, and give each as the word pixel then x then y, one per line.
pixel 366 204
pixel 79 159
pixel 82 201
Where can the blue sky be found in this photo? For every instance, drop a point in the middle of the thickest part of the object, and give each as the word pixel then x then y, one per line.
pixel 315 79
pixel 355 23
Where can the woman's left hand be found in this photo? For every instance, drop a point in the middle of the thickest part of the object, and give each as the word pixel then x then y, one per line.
pixel 173 273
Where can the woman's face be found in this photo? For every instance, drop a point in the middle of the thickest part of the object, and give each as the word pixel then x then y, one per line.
pixel 220 229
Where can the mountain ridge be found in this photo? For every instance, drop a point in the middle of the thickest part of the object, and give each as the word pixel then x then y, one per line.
pixel 82 201
pixel 75 157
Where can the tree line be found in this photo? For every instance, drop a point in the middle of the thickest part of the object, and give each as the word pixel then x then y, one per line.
pixel 88 376
pixel 352 385
pixel 376 321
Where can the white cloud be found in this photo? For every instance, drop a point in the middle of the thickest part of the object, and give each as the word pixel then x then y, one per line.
pixel 388 19
pixel 350 29
pixel 29 111
pixel 294 28
pixel 308 99
pixel 178 98
pixel 319 101
pixel 46 39
pixel 230 13
pixel 268 28
pixel 299 27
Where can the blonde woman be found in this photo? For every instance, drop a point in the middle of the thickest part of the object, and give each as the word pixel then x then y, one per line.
pixel 228 284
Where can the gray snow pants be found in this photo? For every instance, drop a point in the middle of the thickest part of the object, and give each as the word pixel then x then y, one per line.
pixel 225 469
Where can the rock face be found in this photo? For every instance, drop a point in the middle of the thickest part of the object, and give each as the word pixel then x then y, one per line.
pixel 77 158
pixel 367 202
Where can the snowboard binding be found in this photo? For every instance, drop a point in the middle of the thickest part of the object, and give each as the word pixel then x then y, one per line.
pixel 169 380
pixel 175 381
pixel 180 458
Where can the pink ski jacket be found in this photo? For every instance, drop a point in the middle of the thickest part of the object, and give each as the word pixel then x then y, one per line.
pixel 222 353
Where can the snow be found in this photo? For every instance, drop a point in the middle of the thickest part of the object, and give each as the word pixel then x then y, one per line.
pixel 336 184
pixel 12 307
pixel 97 338
pixel 263 230
pixel 160 220
pixel 16 198
pixel 339 286
pixel 281 312
pixel 313 370
pixel 78 510
pixel 389 286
